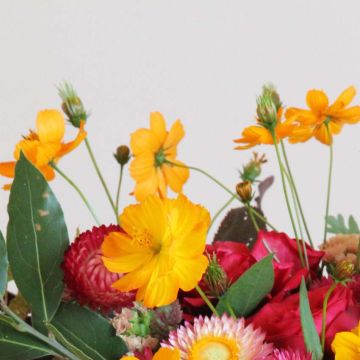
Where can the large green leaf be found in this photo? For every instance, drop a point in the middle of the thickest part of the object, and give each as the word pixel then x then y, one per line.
pixel 311 337
pixel 37 239
pixel 15 345
pixel 3 266
pixel 86 333
pixel 247 292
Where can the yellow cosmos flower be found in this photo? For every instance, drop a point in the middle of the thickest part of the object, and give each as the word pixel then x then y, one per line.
pixel 43 145
pixel 162 250
pixel 322 120
pixel 162 354
pixel 153 149
pixel 346 345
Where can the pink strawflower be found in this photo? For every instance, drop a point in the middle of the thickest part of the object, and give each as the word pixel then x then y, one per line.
pixel 281 354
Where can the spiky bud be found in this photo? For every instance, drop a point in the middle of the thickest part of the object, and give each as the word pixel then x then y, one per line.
pixel 252 170
pixel 215 278
pixel 122 154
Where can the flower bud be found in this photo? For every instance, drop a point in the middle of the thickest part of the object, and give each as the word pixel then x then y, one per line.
pixel 344 270
pixel 268 105
pixel 122 154
pixel 72 105
pixel 252 170
pixel 244 190
pixel 215 277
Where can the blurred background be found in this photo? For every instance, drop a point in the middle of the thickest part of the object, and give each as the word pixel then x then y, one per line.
pixel 201 61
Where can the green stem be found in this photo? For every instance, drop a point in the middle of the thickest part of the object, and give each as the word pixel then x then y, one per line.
pixel 118 191
pixel 221 210
pixel 331 160
pixel 287 199
pixel 206 299
pixel 230 309
pixel 324 310
pixel 61 350
pixel 249 209
pixel 97 169
pixel 293 186
pixel 256 213
pixel 54 166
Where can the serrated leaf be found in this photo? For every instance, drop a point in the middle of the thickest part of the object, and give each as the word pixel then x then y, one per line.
pixel 336 225
pixel 311 337
pixel 4 265
pixel 86 332
pixel 353 226
pixel 245 294
pixel 37 239
pixel 16 345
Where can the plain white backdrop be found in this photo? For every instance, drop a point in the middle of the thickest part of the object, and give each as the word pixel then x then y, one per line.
pixel 201 61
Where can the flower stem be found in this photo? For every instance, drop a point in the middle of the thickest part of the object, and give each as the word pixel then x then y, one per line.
pixel 293 186
pixel 55 167
pixel 249 210
pixel 118 191
pixel 230 309
pixel 221 210
pixel 97 169
pixel 324 310
pixel 206 299
pixel 61 350
pixel 331 160
pixel 287 199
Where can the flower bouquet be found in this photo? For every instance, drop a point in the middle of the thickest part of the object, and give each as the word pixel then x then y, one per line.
pixel 152 285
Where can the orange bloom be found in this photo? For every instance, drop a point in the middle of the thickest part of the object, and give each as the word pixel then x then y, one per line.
pixel 43 145
pixel 322 120
pixel 162 354
pixel 153 149
pixel 260 134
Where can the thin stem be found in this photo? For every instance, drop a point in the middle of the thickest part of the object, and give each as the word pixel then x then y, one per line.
pixel 249 209
pixel 324 310
pixel 118 191
pixel 97 169
pixel 293 186
pixel 230 309
pixel 256 213
pixel 55 167
pixel 206 299
pixel 221 210
pixel 61 350
pixel 331 160
pixel 287 200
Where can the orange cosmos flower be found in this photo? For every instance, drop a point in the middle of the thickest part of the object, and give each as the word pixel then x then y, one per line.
pixel 162 354
pixel 161 251
pixel 269 114
pixel 153 149
pixel 43 145
pixel 322 120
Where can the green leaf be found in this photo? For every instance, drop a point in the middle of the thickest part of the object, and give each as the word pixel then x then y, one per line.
pixel 37 239
pixel 3 266
pixel 16 345
pixel 247 292
pixel 311 337
pixel 85 332
pixel 336 225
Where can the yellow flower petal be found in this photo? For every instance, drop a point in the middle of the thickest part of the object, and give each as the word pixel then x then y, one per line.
pixel 174 136
pixel 158 126
pixel 50 126
pixel 317 100
pixel 167 354
pixel 344 99
pixel 143 167
pixel 175 176
pixel 144 140
pixel 161 182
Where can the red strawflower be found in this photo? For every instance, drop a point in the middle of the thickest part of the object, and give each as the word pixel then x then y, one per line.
pixel 85 276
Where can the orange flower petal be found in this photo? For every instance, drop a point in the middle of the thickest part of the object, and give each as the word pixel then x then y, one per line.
pixel 350 115
pixel 158 126
pixel 7 169
pixel 70 146
pixel 146 188
pixel 48 172
pixel 175 176
pixel 174 136
pixel 317 100
pixel 144 140
pixel 322 134
pixel 343 100
pixel 142 167
pixel 167 354
pixel 161 182
pixel 50 126
pixel 7 187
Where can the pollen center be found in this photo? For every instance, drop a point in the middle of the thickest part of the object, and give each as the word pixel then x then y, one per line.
pixel 143 238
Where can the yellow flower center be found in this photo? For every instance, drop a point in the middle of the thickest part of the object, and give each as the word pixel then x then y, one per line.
pixel 214 348
pixel 143 238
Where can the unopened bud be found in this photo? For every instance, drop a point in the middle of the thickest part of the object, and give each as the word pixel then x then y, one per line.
pixel 122 155
pixel 344 270
pixel 244 190
pixel 215 277
pixel 252 170
pixel 268 105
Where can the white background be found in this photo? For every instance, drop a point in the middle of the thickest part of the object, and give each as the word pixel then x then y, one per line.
pixel 201 61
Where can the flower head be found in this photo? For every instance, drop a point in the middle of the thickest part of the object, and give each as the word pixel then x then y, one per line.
pixel 161 251
pixel 162 354
pixel 252 170
pixel 45 145
pixel 221 338
pixel 269 114
pixel 86 278
pixel 346 345
pixel 155 152
pixel 290 355
pixel 322 120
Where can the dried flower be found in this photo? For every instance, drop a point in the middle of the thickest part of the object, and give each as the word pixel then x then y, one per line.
pixel 252 170
pixel 244 190
pixel 122 154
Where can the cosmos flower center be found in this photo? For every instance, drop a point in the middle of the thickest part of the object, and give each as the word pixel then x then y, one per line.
pixel 143 238
pixel 214 348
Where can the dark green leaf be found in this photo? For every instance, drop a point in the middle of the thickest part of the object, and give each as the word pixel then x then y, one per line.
pixel 16 345
pixel 247 292
pixel 311 337
pixel 37 239
pixel 3 266
pixel 336 225
pixel 85 332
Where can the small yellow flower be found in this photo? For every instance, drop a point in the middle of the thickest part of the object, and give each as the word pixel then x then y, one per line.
pixel 43 145
pixel 322 120
pixel 153 149
pixel 162 354
pixel 161 251
pixel 346 345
